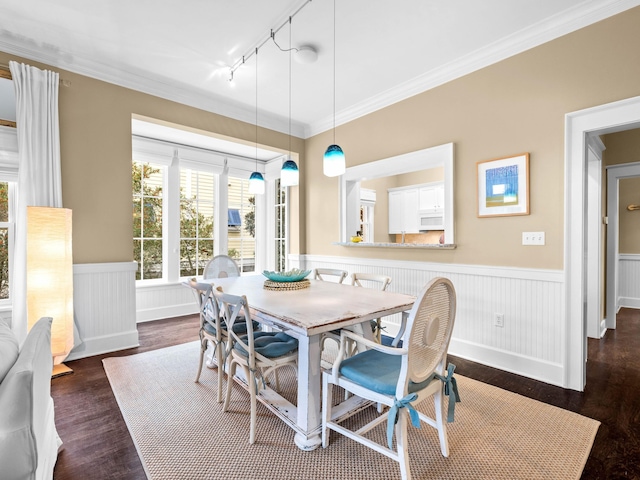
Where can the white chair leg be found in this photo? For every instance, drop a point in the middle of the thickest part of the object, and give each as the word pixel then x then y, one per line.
pixel 203 348
pixel 230 374
pixel 251 378
pixel 401 442
pixel 441 425
pixel 219 358
pixel 327 395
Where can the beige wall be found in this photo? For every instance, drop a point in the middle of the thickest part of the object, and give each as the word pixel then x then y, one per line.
pixel 624 147
pixel 95 147
pixel 515 106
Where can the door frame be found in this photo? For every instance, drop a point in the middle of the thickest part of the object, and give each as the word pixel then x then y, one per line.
pixel 608 118
pixel 615 173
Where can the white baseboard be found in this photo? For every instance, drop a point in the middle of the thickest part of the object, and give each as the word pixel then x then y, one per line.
pixel 105 344
pixel 628 302
pixel 150 314
pixel 508 361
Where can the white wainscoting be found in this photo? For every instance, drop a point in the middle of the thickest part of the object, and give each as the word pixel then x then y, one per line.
pixel 105 308
pixel 629 280
pixel 531 343
pixel 165 300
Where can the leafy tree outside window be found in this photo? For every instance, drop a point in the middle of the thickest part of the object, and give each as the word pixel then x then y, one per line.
pixel 147 182
pixel 4 240
pixel 197 208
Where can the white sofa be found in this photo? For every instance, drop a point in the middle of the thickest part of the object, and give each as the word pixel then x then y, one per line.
pixel 29 442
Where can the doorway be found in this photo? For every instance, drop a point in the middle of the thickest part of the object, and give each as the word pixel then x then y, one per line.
pixel 609 118
pixel 616 174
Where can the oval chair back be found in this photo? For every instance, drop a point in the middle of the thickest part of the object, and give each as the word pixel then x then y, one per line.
pixel 428 333
pixel 221 266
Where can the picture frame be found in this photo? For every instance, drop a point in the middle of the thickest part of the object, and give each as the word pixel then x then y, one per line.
pixel 503 186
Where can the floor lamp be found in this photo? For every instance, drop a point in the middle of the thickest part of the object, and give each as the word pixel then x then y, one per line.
pixel 50 278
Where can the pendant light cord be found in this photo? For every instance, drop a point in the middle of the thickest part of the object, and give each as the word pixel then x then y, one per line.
pixel 334 72
pixel 256 109
pixel 290 49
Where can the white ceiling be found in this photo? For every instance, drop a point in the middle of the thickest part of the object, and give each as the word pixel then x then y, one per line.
pixel 386 50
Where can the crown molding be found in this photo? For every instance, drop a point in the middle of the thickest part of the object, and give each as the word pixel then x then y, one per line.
pixel 586 13
pixel 158 87
pixel 578 17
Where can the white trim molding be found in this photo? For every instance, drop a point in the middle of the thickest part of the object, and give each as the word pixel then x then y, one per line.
pixel 164 300
pixel 609 118
pixel 531 302
pixel 629 280
pixel 104 308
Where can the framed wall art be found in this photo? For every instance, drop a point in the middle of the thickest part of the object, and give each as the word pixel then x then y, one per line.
pixel 503 186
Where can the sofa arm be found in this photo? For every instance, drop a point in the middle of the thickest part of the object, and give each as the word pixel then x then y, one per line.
pixel 26 413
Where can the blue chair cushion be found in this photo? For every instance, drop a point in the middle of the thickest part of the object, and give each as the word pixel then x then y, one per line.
pixel 269 344
pixel 240 326
pixel 376 371
pixel 387 340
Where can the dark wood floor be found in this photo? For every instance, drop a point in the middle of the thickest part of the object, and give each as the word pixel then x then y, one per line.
pixel 97 445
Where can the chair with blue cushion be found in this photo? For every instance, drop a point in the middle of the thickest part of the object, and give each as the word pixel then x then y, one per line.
pixel 258 353
pixel 213 329
pixel 400 378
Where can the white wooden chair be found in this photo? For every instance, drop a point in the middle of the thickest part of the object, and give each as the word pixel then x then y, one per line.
pixel 257 353
pixel 400 377
pixel 221 266
pixel 210 328
pixel 330 274
pixel 377 281
pixel 213 329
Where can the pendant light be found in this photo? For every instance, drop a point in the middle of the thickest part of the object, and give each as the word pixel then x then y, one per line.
pixel 289 175
pixel 334 163
pixel 256 180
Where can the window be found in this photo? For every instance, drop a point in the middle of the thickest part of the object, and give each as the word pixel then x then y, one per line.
pixel 280 224
pixel 148 184
pixel 197 213
pixel 190 204
pixel 367 206
pixel 242 224
pixel 6 236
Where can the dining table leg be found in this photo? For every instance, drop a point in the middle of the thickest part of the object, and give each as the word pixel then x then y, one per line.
pixel 309 396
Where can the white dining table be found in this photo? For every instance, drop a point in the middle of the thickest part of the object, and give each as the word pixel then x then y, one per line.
pixel 305 314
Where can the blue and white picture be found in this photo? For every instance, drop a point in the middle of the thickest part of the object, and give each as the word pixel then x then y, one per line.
pixel 503 186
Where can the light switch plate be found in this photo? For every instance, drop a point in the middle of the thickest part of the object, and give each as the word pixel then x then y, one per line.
pixel 533 238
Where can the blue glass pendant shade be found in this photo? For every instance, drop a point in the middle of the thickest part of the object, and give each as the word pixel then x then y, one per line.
pixel 289 175
pixel 334 162
pixel 256 183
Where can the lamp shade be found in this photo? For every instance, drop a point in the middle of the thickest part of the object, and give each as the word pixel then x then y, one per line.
pixel 256 183
pixel 289 175
pixel 334 162
pixel 50 275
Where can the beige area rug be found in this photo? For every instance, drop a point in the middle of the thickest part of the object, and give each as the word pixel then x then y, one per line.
pixel 181 432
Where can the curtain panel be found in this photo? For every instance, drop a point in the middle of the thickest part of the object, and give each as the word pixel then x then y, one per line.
pixel 39 174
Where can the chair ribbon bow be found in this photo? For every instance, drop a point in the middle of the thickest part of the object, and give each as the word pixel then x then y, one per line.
pixel 450 389
pixel 392 418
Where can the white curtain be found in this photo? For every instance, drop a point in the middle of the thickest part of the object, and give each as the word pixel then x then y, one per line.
pixel 39 177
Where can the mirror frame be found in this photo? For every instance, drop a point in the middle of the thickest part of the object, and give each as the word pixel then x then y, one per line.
pixel 349 189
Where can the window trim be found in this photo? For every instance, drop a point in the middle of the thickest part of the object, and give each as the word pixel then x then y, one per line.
pixel 174 157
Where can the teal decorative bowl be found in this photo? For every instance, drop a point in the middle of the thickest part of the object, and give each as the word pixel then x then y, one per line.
pixel 294 275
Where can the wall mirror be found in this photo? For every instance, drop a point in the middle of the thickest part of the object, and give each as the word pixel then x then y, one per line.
pixel 365 189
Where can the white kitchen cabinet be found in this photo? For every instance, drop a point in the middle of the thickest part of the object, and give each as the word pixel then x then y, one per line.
pixel 403 211
pixel 431 198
